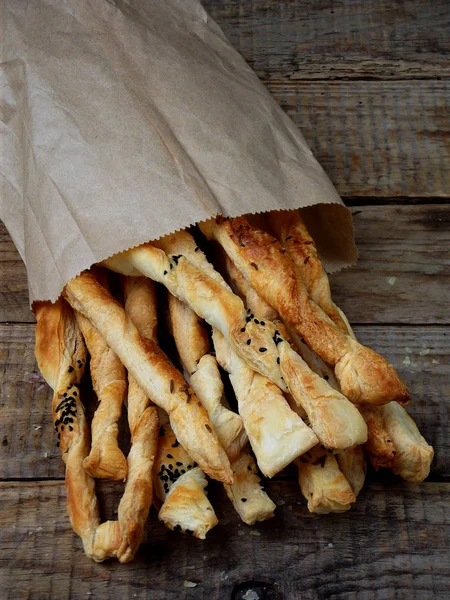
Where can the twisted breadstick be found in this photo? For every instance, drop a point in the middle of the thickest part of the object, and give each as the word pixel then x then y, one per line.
pixel 140 306
pixel 336 421
pixel 249 499
pixel 61 357
pixel 192 343
pixel 363 375
pixel 153 371
pixel 185 508
pixel 322 482
pixel 105 460
pixel 413 455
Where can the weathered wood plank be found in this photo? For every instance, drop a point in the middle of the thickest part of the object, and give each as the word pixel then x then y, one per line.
pixel 392 544
pixel 403 270
pixel 408 243
pixel 285 40
pixel 28 444
pixel 375 138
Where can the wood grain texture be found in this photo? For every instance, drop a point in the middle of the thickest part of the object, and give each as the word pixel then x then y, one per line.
pixel 375 138
pixel 295 555
pixel 286 40
pixel 28 443
pixel 410 243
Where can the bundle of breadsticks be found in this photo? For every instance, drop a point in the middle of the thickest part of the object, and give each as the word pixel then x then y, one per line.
pixel 258 308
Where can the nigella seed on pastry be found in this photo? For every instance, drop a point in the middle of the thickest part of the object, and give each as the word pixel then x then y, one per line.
pixel 263 349
pixel 177 528
pixel 71 369
pixel 176 444
pixel 196 249
pixel 169 456
pixel 249 342
pixel 262 323
pixel 242 329
pixel 243 499
pixel 179 464
pixel 256 321
pixel 165 272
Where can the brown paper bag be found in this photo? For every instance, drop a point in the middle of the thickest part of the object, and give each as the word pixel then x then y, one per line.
pixel 125 121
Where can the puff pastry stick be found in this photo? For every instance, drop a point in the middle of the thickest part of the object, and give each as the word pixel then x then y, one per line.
pixel 192 341
pixel 353 465
pixel 188 510
pixel 276 433
pixel 248 497
pixel 106 460
pixel 163 383
pixel 61 357
pixel 334 419
pixel 363 375
pixel 140 306
pixel 293 235
pixel 322 482
pixel 413 455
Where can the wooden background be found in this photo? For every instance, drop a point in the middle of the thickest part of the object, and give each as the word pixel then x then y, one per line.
pixel 367 81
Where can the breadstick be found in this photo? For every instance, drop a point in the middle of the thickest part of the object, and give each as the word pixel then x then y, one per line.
pixel 276 433
pixel 193 346
pixel 322 482
pixel 105 460
pixel 61 357
pixel 413 455
pixel 246 494
pixel 335 420
pixel 363 375
pixel 353 466
pixel 293 235
pixel 162 382
pixel 188 510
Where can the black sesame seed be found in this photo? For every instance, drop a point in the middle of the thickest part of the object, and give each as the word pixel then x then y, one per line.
pixel 176 473
pixel 170 466
pixel 249 342
pixel 263 349
pixel 176 444
pixel 71 369
pixel 278 360
pixel 177 528
pixel 182 471
pixel 165 272
pixel 65 394
pixel 243 499
pixel 243 329
pixel 256 321
pixel 326 377
pixel 169 456
pixel 179 464
pixel 262 323
pixel 249 468
pixel 75 394
pixel 70 428
pixel 196 249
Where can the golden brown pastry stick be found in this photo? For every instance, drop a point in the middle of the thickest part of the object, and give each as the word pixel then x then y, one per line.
pixel 105 460
pixel 61 357
pixel 353 465
pixel 140 306
pixel 413 455
pixel 188 510
pixel 293 235
pixel 246 493
pixel 322 482
pixel 163 383
pixel 363 375
pixel 192 341
pixel 336 421
pixel 276 433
